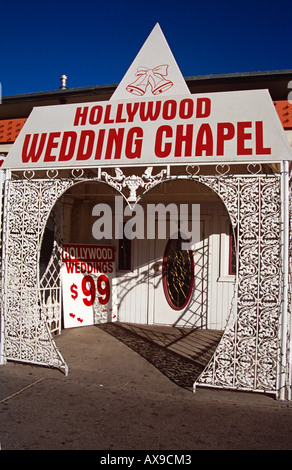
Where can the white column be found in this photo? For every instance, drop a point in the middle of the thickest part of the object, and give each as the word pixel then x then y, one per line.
pixel 283 382
pixel 4 175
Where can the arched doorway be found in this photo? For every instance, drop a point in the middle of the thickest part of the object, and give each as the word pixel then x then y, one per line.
pixel 77 271
pixel 210 282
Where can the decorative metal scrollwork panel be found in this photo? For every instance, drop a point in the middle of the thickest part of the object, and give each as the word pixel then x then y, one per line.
pixel 27 337
pixel 246 357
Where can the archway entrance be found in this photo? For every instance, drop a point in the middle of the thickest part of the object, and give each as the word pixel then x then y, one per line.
pixel 203 275
pixel 77 272
pixel 144 288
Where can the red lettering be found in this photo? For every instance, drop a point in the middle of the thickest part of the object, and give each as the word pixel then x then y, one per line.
pixel 159 151
pixel 132 109
pixel 85 145
pixel 186 108
pixel 70 267
pixel 204 141
pixel 119 117
pixel 107 119
pixel 187 138
pixel 133 148
pixel 203 107
pixel 99 144
pixel 260 149
pixel 225 131
pixel 103 288
pixel 67 146
pixel 115 138
pixel 242 136
pixel 81 114
pixel 149 112
pixel 34 152
pixel 95 115
pixel 169 109
pixel 50 146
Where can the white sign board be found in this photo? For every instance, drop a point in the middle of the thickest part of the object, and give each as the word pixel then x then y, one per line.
pixel 87 281
pixel 217 127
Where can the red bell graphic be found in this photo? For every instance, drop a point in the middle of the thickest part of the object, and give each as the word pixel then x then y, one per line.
pixel 138 87
pixel 160 86
pixel 152 77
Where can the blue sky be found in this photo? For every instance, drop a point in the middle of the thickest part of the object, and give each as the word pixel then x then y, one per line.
pixel 94 42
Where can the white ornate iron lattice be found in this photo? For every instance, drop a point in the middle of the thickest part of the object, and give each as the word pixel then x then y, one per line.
pixel 27 334
pixel 247 356
pixel 50 282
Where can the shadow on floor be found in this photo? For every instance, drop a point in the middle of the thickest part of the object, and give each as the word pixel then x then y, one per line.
pixel 180 354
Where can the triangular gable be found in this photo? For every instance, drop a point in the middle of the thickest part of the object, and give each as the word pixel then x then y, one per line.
pixel 154 71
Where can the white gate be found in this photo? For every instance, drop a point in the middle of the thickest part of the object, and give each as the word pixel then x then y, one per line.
pixel 50 280
pixel 27 336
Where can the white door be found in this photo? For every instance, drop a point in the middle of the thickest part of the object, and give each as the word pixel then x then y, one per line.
pixel 180 282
